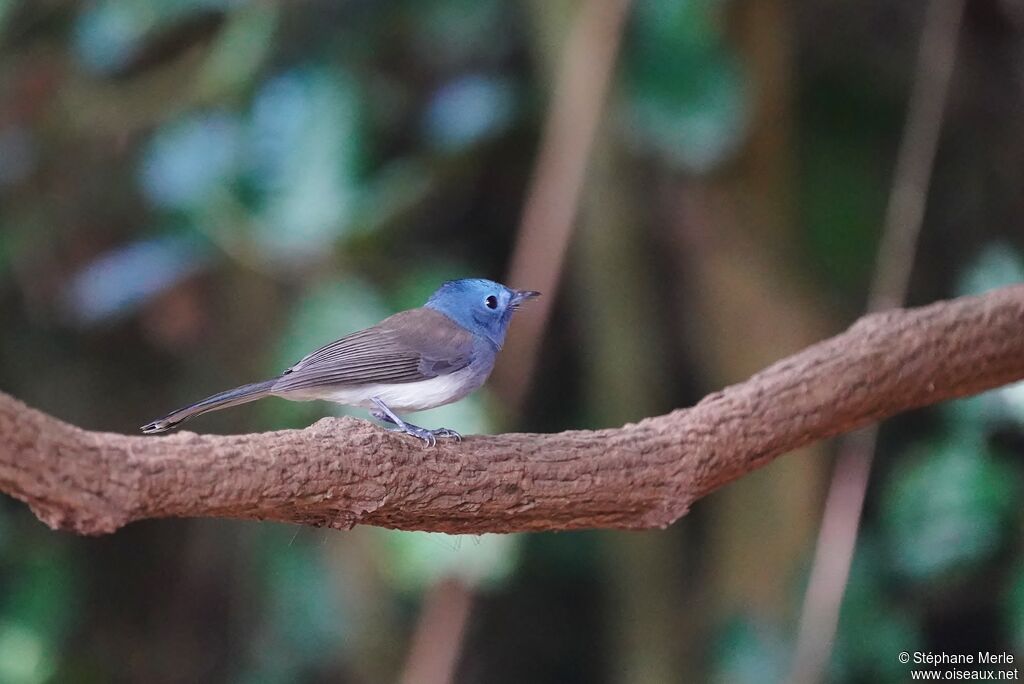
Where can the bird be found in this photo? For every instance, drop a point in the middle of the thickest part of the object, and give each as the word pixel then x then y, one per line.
pixel 414 360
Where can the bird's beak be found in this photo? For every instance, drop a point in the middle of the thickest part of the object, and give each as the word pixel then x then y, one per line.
pixel 519 297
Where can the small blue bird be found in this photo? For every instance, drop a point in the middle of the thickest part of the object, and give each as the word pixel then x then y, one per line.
pixel 411 361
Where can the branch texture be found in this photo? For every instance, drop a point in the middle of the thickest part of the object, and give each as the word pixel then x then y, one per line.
pixel 341 472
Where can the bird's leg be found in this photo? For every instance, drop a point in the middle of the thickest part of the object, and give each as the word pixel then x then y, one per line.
pixel 382 417
pixel 386 415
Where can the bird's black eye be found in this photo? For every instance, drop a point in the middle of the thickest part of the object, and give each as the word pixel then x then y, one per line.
pixel 491 302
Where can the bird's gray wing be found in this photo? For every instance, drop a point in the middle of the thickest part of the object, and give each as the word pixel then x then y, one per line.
pixel 413 345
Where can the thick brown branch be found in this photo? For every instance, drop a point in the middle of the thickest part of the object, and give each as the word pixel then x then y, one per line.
pixel 342 472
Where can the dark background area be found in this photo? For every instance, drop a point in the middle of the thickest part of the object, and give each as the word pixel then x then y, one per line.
pixel 194 194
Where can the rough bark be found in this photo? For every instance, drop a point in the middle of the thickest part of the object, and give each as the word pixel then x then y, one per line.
pixel 343 472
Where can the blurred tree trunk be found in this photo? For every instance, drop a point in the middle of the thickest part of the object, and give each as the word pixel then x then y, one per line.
pixel 624 381
pixel 626 378
pixel 376 649
pixel 749 306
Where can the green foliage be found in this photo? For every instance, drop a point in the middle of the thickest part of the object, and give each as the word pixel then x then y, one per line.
pixel 844 204
pixel 109 34
pixel 40 602
pixel 871 623
pixel 25 658
pixel 686 91
pixel 282 181
pixel 190 158
pixel 1013 608
pixel 844 178
pixel 748 652
pixel 468 110
pixel 303 617
pixel 997 265
pixel 415 560
pixel 4 252
pixel 305 146
pixel 450 33
pixel 947 508
pixel 241 48
pixel 5 11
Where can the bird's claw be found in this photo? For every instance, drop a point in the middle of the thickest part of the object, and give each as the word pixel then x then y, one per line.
pixel 447 432
pixel 429 437
pixel 426 435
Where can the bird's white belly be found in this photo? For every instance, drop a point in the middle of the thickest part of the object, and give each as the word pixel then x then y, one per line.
pixel 405 396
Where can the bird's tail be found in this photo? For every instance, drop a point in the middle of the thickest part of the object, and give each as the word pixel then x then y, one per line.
pixel 232 397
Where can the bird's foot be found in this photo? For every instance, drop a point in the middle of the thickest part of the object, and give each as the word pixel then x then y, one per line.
pixel 429 437
pixel 447 433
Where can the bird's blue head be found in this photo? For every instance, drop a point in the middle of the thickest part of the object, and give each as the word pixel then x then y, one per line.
pixel 482 307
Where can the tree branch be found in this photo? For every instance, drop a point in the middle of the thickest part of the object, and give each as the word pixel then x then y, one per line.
pixel 343 472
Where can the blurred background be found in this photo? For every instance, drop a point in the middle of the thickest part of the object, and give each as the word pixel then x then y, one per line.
pixel 195 193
